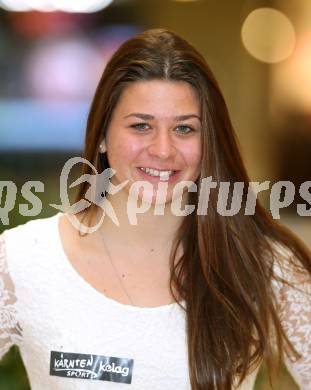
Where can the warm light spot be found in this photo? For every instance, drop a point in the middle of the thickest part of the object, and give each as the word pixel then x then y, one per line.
pixel 292 79
pixel 55 5
pixel 268 35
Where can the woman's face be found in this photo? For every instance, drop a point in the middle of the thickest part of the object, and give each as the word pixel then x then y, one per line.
pixel 155 135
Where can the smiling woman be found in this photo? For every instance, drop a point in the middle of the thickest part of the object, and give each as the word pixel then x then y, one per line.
pixel 175 301
pixel 160 143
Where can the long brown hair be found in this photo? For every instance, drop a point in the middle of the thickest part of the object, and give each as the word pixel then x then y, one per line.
pixel 225 273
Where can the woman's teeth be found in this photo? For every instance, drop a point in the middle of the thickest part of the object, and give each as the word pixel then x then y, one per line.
pixel 162 174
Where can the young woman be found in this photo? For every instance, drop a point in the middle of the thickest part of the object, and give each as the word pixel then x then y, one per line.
pixel 166 299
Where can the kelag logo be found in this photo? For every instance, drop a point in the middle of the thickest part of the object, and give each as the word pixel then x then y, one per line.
pixel 86 366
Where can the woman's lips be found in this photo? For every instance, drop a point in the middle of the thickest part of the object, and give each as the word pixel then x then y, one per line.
pixel 156 179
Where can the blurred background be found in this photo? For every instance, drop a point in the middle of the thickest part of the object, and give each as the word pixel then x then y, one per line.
pixel 52 53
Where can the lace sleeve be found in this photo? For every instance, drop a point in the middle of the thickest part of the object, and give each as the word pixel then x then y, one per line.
pixel 10 330
pixel 294 304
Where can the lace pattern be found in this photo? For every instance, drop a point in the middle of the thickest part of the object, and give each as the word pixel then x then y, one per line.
pixel 294 305
pixel 10 330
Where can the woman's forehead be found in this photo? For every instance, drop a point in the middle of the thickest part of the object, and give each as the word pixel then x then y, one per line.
pixel 159 98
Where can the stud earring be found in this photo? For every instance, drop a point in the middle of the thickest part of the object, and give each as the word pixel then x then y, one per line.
pixel 103 160
pixel 102 147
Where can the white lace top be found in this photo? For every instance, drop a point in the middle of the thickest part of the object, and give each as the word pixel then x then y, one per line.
pixel 73 337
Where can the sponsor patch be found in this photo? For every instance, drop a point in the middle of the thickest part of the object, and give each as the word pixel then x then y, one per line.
pixel 86 366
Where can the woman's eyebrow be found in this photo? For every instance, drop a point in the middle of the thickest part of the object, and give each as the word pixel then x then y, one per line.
pixel 150 117
pixel 140 115
pixel 187 116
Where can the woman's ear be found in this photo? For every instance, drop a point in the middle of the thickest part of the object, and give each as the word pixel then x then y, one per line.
pixel 102 146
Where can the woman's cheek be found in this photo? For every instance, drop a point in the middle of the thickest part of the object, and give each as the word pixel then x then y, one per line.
pixel 134 147
pixel 130 149
pixel 192 153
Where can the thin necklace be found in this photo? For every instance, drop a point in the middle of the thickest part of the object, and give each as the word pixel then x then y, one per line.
pixel 115 270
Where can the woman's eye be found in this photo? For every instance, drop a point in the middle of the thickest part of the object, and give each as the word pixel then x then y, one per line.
pixel 184 129
pixel 140 126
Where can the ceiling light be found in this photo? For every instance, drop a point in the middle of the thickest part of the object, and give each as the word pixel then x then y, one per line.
pixel 55 5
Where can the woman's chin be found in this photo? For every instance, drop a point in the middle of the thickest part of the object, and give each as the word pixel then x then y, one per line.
pixel 154 199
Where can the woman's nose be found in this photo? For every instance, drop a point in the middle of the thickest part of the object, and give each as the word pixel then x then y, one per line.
pixel 162 145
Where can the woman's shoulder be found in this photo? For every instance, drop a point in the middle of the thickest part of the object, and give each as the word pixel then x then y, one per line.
pixel 288 273
pixel 23 242
pixel 284 259
pixel 292 283
pixel 33 228
pixel 31 248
